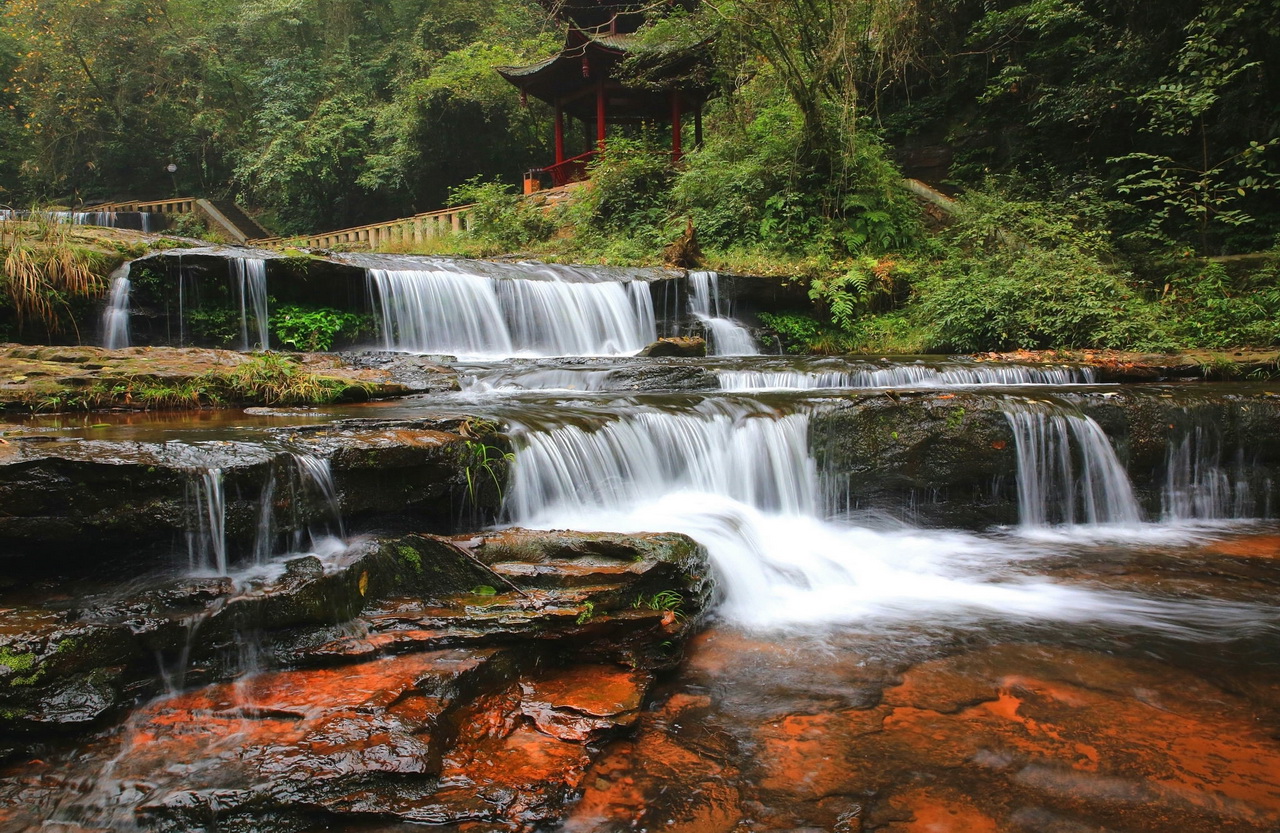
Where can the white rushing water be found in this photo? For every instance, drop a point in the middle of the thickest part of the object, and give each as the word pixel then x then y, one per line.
pixel 742 482
pixel 207 522
pixel 312 516
pixel 249 275
pixel 1068 473
pixel 1200 485
pixel 115 318
pixel 725 336
pixel 142 220
pixel 453 311
pixel 904 376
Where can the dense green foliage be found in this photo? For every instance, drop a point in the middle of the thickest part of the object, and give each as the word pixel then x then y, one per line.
pixel 323 112
pixel 1101 150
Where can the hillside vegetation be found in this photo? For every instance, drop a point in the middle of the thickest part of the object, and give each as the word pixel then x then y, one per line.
pixel 1100 151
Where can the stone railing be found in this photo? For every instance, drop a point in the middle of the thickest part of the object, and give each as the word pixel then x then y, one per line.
pixel 405 232
pixel 178 205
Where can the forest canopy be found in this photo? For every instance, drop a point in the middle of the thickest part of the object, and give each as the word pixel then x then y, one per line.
pixel 1098 149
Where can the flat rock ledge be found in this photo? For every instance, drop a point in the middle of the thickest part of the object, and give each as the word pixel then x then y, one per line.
pixel 49 379
pixel 468 682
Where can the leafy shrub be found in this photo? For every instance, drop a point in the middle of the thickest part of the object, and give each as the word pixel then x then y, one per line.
pixel 501 216
pixel 630 192
pixel 1033 298
pixel 1210 308
pixel 219 326
pixel 314 329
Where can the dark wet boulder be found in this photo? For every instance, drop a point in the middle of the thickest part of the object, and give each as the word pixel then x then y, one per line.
pixel 678 347
pixel 74 500
pixel 949 459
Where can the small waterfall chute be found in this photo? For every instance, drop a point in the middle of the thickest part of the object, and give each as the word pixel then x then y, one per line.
pixel 725 336
pixel 1201 483
pixel 453 311
pixel 904 376
pixel 1068 473
pixel 207 522
pixel 249 275
pixel 115 318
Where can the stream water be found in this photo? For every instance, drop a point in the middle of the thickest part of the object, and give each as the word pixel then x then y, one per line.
pixel 856 656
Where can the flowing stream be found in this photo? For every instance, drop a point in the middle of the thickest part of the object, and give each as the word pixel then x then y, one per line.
pixel 1078 535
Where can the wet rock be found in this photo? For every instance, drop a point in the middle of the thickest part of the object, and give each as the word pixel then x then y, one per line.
pixel 663 377
pixel 419 374
pixel 688 347
pixel 949 458
pixel 71 499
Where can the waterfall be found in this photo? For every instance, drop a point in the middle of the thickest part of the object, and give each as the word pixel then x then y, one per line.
pixel 316 475
pixel 265 536
pixel 466 314
pixel 755 459
pixel 725 336
pixel 904 376
pixel 1198 486
pixel 741 482
pixel 1068 472
pixel 250 277
pixel 207 522
pixel 312 513
pixel 115 318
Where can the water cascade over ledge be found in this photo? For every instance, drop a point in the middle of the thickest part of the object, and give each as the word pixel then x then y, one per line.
pixel 451 310
pixel 250 277
pixel 1068 473
pixel 740 479
pixel 725 336
pixel 115 318
pixel 903 376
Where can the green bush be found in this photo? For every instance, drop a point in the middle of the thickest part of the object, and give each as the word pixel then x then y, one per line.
pixel 501 216
pixel 1022 274
pixel 314 329
pixel 1211 308
pixel 630 194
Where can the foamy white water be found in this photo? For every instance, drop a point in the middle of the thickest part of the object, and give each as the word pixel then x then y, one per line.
pixel 115 318
pixel 904 376
pixel 745 486
pixel 250 274
pixel 449 310
pixel 725 336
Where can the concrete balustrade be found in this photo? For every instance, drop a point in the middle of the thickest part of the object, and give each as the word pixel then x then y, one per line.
pixel 405 232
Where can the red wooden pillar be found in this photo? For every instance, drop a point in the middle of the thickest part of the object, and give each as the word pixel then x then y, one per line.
pixel 675 126
pixel 559 132
pixel 600 123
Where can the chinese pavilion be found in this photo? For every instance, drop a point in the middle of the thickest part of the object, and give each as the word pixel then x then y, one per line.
pixel 580 82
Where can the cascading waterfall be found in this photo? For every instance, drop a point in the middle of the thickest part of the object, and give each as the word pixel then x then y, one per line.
pixel 141 220
pixel 725 336
pixel 451 311
pixel 754 459
pixel 316 475
pixel 1198 486
pixel 115 318
pixel 904 376
pixel 309 484
pixel 250 277
pixel 1068 473
pixel 741 481
pixel 207 524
